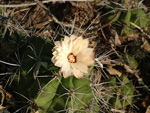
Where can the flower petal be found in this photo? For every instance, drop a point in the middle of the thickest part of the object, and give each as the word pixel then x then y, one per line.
pixel 66 39
pixel 62 56
pixel 53 59
pixel 58 44
pixel 85 43
pixel 80 66
pixel 55 53
pixel 65 48
pixel 86 56
pixel 59 63
pixel 67 73
pixel 70 46
pixel 77 73
pixel 65 66
pixel 77 45
pixel 66 70
pixel 73 37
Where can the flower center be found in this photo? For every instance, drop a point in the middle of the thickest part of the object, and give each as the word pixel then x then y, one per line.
pixel 71 58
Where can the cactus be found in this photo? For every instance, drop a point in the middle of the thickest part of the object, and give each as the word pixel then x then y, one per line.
pixel 73 95
pixel 53 93
pixel 121 92
pixel 138 17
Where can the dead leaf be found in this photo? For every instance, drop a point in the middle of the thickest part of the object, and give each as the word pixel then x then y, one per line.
pixel 113 71
pixel 117 40
pixel 146 46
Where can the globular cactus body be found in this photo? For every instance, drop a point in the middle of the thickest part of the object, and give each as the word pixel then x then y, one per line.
pixel 52 93
pixel 122 92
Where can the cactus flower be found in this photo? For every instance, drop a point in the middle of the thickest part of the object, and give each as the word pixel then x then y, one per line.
pixel 73 56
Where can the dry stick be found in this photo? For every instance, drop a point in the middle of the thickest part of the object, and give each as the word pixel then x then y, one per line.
pixel 103 34
pixel 2 96
pixel 24 5
pixel 136 26
pixel 118 111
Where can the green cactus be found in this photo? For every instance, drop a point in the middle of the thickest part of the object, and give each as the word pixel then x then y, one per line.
pixel 32 61
pixel 122 92
pixel 124 17
pixel 133 62
pixel 73 94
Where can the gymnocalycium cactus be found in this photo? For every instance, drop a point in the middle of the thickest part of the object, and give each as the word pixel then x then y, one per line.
pixel 123 18
pixel 39 87
pixel 37 84
pixel 121 92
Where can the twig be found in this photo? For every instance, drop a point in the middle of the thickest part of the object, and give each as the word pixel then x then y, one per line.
pixel 11 64
pixel 2 96
pixel 103 33
pixel 118 111
pixel 136 26
pixel 25 5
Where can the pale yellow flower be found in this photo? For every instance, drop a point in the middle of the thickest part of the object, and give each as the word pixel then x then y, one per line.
pixel 73 56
